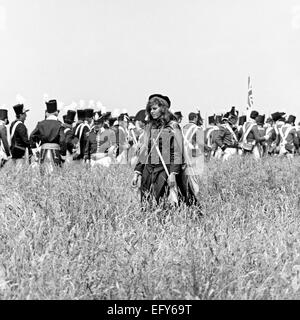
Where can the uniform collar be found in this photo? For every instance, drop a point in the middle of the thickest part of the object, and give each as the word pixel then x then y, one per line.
pixel 52 117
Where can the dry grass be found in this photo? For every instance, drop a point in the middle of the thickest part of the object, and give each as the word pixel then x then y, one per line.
pixel 81 235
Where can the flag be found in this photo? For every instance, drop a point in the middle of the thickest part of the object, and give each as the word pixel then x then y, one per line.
pixel 250 95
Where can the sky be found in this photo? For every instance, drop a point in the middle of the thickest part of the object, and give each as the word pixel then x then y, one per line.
pixel 198 52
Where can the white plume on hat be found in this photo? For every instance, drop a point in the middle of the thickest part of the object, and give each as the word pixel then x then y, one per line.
pixel 172 110
pixel 81 104
pixel 20 99
pixel 45 97
pixel 60 105
pixel 103 109
pixel 124 111
pixel 99 104
pixel 116 113
pixel 72 106
pixel 92 104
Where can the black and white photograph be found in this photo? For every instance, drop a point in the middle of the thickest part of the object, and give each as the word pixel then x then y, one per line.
pixel 149 151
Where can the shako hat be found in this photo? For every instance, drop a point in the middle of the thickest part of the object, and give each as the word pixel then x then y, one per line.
pixel 20 109
pixel 291 119
pixel 51 106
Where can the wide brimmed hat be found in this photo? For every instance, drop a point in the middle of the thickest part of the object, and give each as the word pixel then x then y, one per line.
pixel 157 95
pixel 20 109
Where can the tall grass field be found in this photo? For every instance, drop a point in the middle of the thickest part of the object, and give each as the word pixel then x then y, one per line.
pixel 80 234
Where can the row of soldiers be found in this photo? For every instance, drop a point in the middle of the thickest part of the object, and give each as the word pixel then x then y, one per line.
pixel 96 137
pixel 100 138
pixel 257 136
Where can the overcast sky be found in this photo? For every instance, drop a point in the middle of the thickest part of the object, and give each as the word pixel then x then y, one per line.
pixel 198 52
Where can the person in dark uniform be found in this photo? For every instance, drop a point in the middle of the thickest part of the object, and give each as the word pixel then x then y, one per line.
pixel 4 145
pixel 99 143
pixel 19 136
pixel 49 134
pixel 81 131
pixel 228 136
pixel 161 157
pixel 69 119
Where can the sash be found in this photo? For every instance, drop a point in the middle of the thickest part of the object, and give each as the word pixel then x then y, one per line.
pixel 13 131
pixel 284 136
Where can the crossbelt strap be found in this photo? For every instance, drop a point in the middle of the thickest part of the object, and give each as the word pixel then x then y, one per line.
pixel 50 146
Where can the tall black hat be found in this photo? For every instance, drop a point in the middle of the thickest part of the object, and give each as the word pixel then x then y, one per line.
pixel 81 115
pixel 20 109
pixel 291 119
pixel 71 115
pixel 89 113
pixel 4 115
pixel 51 106
pixel 277 116
pixel 212 119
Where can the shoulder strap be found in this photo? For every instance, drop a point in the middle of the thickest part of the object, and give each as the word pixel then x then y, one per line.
pixel 84 125
pixel 245 136
pixel 286 134
pixel 14 130
pixel 189 134
pixel 231 131
pixel 66 130
pixel 78 128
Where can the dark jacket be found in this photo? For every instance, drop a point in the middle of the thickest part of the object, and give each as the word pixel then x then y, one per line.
pixel 170 145
pixel 49 131
pixel 99 142
pixel 19 141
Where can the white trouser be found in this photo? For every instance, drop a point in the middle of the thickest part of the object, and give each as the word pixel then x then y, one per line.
pixel 228 153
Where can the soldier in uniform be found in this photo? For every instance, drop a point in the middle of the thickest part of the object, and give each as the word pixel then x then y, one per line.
pixel 19 136
pixel 194 155
pixel 271 134
pixel 4 145
pixel 49 134
pixel 69 119
pixel 99 144
pixel 209 136
pixel 289 142
pixel 260 121
pixel 251 138
pixel 227 137
pixel 81 131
